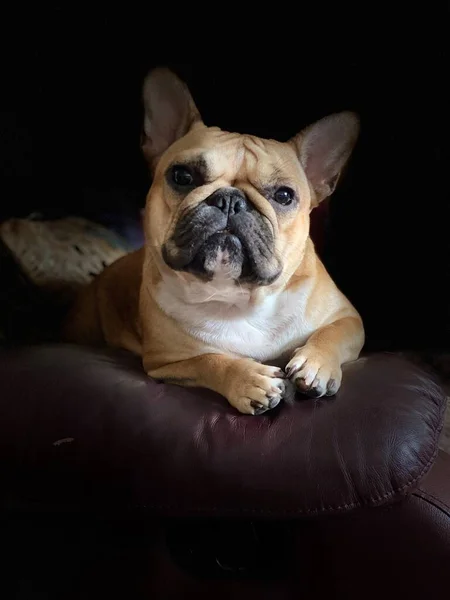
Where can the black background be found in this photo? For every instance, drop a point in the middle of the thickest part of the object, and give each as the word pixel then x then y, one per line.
pixel 71 116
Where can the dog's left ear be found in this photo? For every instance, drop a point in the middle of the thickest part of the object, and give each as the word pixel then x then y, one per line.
pixel 169 113
pixel 324 149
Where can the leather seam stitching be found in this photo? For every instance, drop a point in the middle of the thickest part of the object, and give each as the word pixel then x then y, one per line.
pixel 373 501
pixel 436 501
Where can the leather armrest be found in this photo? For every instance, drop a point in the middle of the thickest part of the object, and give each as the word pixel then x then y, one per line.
pixel 435 487
pixel 83 428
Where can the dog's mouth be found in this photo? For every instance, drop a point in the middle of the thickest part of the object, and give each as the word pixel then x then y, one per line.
pixel 222 255
pixel 210 244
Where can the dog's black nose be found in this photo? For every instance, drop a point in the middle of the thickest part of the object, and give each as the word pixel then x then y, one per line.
pixel 229 200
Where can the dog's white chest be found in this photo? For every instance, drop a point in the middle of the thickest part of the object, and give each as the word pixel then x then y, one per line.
pixel 221 317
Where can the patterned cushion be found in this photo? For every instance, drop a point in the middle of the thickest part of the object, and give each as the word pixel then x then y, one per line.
pixel 43 263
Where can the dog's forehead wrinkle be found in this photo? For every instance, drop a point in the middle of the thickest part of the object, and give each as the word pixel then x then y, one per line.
pixel 240 157
pixel 264 159
pixel 254 144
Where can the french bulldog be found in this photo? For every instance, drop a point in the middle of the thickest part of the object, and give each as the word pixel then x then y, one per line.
pixel 227 292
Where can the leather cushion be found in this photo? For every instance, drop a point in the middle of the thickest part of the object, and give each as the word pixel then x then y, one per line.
pixel 85 428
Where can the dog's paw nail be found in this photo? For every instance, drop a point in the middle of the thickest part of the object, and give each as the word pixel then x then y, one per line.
pixel 332 387
pixel 301 385
pixel 281 374
pixel 259 408
pixel 255 404
pixel 290 371
pixel 273 402
pixel 293 370
pixel 314 392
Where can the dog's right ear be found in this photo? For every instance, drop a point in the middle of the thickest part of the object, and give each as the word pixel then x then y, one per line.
pixel 169 113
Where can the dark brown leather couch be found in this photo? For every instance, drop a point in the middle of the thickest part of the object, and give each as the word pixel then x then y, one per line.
pixel 117 486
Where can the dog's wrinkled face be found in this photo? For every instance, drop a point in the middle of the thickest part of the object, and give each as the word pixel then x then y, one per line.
pixel 229 205
pixel 234 200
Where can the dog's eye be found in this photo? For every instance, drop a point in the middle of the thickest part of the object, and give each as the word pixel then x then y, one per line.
pixel 284 195
pixel 182 176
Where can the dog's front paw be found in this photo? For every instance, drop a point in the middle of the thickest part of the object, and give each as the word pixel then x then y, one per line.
pixel 314 373
pixel 255 388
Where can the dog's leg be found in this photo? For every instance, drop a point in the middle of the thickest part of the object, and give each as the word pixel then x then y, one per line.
pixel 251 387
pixel 316 368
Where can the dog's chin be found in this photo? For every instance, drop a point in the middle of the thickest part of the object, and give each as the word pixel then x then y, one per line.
pixel 221 256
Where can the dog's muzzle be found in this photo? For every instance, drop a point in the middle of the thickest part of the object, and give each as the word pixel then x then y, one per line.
pixel 226 231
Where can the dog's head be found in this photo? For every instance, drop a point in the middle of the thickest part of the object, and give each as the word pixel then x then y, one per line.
pixel 231 204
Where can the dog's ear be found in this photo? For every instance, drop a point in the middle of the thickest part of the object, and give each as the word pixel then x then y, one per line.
pixel 169 113
pixel 324 149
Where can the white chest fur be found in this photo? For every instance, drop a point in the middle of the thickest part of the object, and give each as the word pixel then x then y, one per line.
pixel 222 316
